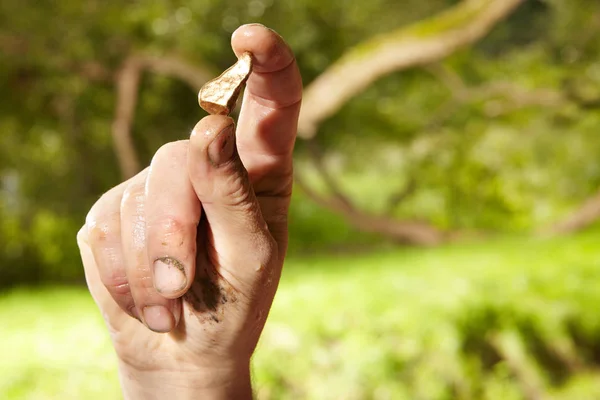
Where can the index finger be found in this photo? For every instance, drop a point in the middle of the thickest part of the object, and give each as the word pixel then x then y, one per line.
pixel 269 117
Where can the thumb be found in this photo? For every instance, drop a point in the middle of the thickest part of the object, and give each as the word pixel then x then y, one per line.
pixel 240 244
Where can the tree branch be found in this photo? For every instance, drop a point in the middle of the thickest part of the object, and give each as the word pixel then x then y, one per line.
pixel 316 155
pixel 516 97
pixel 171 65
pixel 396 198
pixel 128 80
pixel 500 98
pixel 419 44
pixel 410 232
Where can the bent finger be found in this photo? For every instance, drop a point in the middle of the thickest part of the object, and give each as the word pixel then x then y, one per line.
pixel 172 216
pixel 111 311
pixel 158 313
pixel 103 236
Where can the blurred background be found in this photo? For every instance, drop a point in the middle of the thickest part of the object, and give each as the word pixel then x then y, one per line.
pixel 444 229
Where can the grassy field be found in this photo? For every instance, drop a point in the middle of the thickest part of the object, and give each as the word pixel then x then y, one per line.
pixel 508 319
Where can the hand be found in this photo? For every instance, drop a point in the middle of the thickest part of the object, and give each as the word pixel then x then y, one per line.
pixel 194 244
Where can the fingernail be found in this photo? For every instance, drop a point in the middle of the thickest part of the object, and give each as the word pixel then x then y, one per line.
pixel 134 313
pixel 158 318
pixel 169 275
pixel 220 150
pixel 263 26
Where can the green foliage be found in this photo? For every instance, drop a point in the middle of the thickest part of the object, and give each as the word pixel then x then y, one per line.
pixel 460 321
pixel 56 346
pixel 422 324
pixel 502 136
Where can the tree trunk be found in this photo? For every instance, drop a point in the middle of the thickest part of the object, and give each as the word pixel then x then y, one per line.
pixel 128 80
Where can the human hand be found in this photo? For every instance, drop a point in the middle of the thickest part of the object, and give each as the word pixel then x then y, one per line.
pixel 194 244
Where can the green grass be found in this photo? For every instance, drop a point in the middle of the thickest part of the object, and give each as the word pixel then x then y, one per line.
pixel 471 320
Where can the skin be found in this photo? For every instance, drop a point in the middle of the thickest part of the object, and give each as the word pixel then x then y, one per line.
pixel 183 260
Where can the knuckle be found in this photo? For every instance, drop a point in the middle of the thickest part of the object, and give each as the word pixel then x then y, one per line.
pixel 107 204
pixel 268 254
pixel 82 236
pixel 104 228
pixel 104 202
pixel 278 216
pixel 268 257
pixel 102 221
pixel 144 284
pixel 145 292
pixel 116 283
pixel 134 193
pixel 266 249
pixel 169 231
pixel 92 216
pixel 171 150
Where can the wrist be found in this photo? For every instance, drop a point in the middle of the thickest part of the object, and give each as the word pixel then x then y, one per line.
pixel 230 382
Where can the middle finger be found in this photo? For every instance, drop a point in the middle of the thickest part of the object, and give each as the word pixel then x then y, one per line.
pixel 158 313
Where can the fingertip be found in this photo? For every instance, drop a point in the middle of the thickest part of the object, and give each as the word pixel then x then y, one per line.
pixel 165 233
pixel 209 126
pixel 269 51
pixel 158 318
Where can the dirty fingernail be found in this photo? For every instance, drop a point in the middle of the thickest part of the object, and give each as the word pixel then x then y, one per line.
pixel 220 150
pixel 158 318
pixel 169 275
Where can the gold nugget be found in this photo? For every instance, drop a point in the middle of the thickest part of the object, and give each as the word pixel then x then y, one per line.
pixel 219 96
